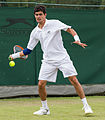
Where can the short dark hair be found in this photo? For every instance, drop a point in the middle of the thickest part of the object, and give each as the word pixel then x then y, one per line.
pixel 40 8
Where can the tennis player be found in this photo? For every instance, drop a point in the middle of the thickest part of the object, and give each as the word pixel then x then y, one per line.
pixel 55 56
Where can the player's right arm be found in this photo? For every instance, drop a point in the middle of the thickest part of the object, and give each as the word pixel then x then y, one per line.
pixel 25 52
pixel 31 44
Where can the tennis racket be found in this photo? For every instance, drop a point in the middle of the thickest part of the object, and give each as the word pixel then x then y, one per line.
pixel 18 48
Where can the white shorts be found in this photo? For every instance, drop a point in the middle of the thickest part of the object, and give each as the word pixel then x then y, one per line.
pixel 49 71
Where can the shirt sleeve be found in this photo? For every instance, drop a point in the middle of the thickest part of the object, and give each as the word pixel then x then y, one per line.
pixel 32 41
pixel 62 26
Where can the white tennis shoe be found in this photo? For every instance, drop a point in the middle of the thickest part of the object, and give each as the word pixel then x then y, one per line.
pixel 87 109
pixel 42 111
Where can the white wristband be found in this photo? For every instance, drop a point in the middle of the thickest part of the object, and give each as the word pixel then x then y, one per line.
pixel 16 55
pixel 76 38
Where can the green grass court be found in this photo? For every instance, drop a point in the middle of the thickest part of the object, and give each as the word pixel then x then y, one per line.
pixel 61 108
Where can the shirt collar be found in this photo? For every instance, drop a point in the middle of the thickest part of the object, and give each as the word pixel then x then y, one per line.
pixel 46 22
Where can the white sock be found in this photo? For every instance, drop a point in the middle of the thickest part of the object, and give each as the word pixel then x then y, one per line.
pixel 44 104
pixel 84 101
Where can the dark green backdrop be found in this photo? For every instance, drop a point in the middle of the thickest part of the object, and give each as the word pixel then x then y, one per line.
pixel 15 27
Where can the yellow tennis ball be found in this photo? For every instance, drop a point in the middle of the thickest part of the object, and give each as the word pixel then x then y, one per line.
pixel 11 63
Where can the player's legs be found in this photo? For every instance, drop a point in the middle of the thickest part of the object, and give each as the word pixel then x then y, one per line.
pixel 44 110
pixel 74 81
pixel 69 71
pixel 48 72
pixel 42 89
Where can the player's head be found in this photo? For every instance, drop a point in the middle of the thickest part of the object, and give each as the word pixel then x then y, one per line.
pixel 40 13
pixel 40 8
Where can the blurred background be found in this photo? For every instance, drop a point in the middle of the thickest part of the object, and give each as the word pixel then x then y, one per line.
pixel 84 4
pixel 17 20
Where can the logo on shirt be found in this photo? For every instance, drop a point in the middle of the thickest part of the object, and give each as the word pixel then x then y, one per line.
pixel 48 32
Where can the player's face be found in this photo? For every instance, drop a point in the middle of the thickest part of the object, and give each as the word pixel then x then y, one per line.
pixel 40 16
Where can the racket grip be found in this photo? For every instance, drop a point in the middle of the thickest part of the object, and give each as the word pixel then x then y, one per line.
pixel 15 55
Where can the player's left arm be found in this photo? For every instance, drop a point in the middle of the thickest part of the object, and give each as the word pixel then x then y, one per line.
pixel 76 37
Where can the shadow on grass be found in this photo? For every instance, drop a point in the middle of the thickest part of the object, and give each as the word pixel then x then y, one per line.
pixel 89 115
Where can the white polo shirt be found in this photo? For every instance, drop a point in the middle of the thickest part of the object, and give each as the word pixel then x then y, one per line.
pixel 50 39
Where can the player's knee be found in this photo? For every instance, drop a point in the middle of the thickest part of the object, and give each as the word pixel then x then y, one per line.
pixel 42 84
pixel 73 80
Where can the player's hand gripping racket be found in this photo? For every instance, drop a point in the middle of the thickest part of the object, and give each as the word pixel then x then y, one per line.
pixel 18 48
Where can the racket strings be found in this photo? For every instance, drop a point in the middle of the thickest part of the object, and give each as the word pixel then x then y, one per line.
pixel 18 48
